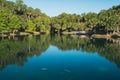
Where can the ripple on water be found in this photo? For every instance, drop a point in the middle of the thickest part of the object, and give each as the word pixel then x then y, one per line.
pixel 44 69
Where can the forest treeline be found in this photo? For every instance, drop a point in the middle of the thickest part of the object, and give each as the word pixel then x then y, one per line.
pixel 18 17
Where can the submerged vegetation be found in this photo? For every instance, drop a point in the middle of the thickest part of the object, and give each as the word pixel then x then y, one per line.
pixel 16 17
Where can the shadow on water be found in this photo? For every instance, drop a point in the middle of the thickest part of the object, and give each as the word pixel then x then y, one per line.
pixel 16 51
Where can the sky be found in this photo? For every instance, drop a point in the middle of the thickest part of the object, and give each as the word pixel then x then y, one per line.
pixel 56 7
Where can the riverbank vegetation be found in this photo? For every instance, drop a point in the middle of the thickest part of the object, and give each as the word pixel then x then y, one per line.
pixel 17 17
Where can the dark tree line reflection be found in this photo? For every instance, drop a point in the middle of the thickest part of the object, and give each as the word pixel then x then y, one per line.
pixel 17 50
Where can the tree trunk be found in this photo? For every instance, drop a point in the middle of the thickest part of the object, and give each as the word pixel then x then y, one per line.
pixel 13 32
pixel 107 32
pixel 118 29
pixel 2 36
pixel 113 31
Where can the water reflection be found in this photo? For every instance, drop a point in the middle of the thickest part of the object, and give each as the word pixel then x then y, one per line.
pixel 66 57
pixel 16 51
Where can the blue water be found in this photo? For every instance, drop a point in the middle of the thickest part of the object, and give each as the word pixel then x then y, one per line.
pixel 55 64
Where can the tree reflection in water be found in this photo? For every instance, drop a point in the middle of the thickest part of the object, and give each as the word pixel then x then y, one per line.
pixel 17 50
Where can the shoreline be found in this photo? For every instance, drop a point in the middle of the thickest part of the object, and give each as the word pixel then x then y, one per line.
pixel 116 35
pixel 23 34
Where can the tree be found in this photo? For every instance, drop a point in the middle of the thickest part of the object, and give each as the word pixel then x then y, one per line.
pixel 2 2
pixel 3 23
pixel 31 26
pixel 19 2
pixel 12 23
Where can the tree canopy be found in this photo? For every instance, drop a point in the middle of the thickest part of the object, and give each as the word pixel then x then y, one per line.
pixel 18 16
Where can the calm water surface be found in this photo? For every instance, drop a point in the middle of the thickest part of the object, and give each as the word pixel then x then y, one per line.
pixel 59 58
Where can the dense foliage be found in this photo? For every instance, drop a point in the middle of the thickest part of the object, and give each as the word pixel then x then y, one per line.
pixel 104 22
pixel 16 16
